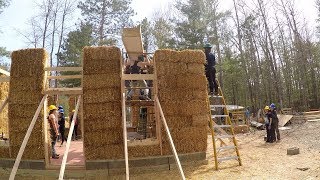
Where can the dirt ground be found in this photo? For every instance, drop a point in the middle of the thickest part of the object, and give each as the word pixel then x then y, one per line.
pixel 260 160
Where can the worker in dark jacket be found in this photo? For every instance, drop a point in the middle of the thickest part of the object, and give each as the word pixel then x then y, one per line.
pixel 62 126
pixel 210 69
pixel 275 120
pixel 268 124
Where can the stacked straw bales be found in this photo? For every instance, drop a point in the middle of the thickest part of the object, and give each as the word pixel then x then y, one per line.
pixel 4 90
pixel 27 82
pixel 102 103
pixel 182 91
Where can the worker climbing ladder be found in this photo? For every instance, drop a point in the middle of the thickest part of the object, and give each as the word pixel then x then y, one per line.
pixel 222 131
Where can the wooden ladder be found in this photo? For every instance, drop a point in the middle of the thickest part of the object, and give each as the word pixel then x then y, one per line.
pixel 216 128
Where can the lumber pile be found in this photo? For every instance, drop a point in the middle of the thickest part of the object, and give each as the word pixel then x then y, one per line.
pixel 4 90
pixel 27 84
pixel 182 91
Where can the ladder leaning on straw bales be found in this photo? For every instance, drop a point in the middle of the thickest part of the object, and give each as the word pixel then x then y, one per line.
pixel 218 103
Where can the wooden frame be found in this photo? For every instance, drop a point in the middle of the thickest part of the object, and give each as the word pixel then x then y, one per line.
pixel 5 102
pixel 138 77
pixel 59 91
pixel 4 72
pixel 26 138
pixel 65 77
pixel 63 68
pixel 65 155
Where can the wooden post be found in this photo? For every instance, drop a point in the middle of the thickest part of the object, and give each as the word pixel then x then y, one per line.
pixel 65 156
pixel 173 148
pixel 125 142
pixel 5 102
pixel 25 140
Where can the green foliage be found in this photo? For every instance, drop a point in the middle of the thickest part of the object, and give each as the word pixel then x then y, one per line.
pixel 72 52
pixel 146 30
pixel 163 33
pixel 107 18
pixel 3 4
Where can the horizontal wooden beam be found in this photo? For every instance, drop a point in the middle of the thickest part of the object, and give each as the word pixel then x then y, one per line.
pixel 63 68
pixel 65 77
pixel 66 91
pixel 138 87
pixel 4 72
pixel 5 79
pixel 138 77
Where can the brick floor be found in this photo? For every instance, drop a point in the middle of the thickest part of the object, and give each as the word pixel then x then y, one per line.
pixel 75 155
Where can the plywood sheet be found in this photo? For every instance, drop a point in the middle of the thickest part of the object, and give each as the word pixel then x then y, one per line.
pixel 283 119
pixel 132 41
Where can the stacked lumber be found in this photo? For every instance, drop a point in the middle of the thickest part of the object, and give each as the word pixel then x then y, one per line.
pixel 4 90
pixel 27 82
pixel 182 91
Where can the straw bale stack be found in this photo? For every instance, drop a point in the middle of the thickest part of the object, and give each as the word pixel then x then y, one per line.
pixel 102 103
pixel 182 91
pixel 4 90
pixel 4 152
pixel 27 82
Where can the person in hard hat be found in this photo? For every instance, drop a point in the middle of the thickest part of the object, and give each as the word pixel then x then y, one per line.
pixel 75 130
pixel 268 122
pixel 210 69
pixel 54 133
pixel 62 126
pixel 275 120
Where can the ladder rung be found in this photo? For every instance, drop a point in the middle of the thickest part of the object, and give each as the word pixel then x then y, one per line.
pixel 218 106
pixel 224 136
pixel 227 158
pixel 214 96
pixel 225 147
pixel 215 116
pixel 222 126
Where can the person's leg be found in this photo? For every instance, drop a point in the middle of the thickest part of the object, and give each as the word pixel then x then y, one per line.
pixel 210 81
pixel 214 83
pixel 62 135
pixel 277 129
pixel 76 131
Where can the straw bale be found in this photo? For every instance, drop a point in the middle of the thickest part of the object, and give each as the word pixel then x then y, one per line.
pixel 104 137
pixel 4 89
pixel 164 55
pixel 27 84
pixel 28 63
pixel 164 68
pixel 100 67
pixel 36 138
pixel 95 81
pixel 195 107
pixel 166 94
pixel 4 126
pixel 171 108
pixel 4 152
pixel 104 152
pixel 101 123
pixel 109 108
pixel 20 97
pixel 195 68
pixel 104 53
pixel 101 95
pixel 178 121
pixel 30 152
pixel 200 120
pixel 143 151
pixel 167 82
pixel 192 56
pixel 19 124
pixel 192 81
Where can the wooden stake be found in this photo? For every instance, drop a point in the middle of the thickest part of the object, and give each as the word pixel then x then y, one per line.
pixel 5 102
pixel 173 148
pixel 25 140
pixel 65 156
pixel 125 142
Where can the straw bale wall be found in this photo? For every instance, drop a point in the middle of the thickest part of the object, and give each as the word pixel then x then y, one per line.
pixel 4 90
pixel 27 83
pixel 182 91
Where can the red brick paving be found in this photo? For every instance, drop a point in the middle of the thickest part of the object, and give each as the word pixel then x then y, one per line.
pixel 75 155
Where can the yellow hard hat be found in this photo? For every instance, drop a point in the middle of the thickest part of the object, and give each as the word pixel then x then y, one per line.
pixel 267 108
pixel 73 110
pixel 52 107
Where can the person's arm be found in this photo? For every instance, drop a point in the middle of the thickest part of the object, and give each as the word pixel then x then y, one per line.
pixel 52 120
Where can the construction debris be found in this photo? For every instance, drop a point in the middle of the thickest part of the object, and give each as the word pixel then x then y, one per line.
pixel 293 151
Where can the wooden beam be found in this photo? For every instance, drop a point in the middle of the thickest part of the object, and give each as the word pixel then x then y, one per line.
pixel 63 69
pixel 65 155
pixel 125 141
pixel 26 138
pixel 173 148
pixel 5 79
pixel 59 91
pixel 65 77
pixel 139 103
pixel 138 77
pixel 5 102
pixel 4 72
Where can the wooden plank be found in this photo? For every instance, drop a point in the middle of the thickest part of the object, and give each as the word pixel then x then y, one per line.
pixel 132 41
pixel 5 79
pixel 63 69
pixel 26 138
pixel 65 155
pixel 125 141
pixel 138 77
pixel 65 77
pixel 139 103
pixel 5 102
pixel 283 119
pixel 170 139
pixel 4 72
pixel 55 91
